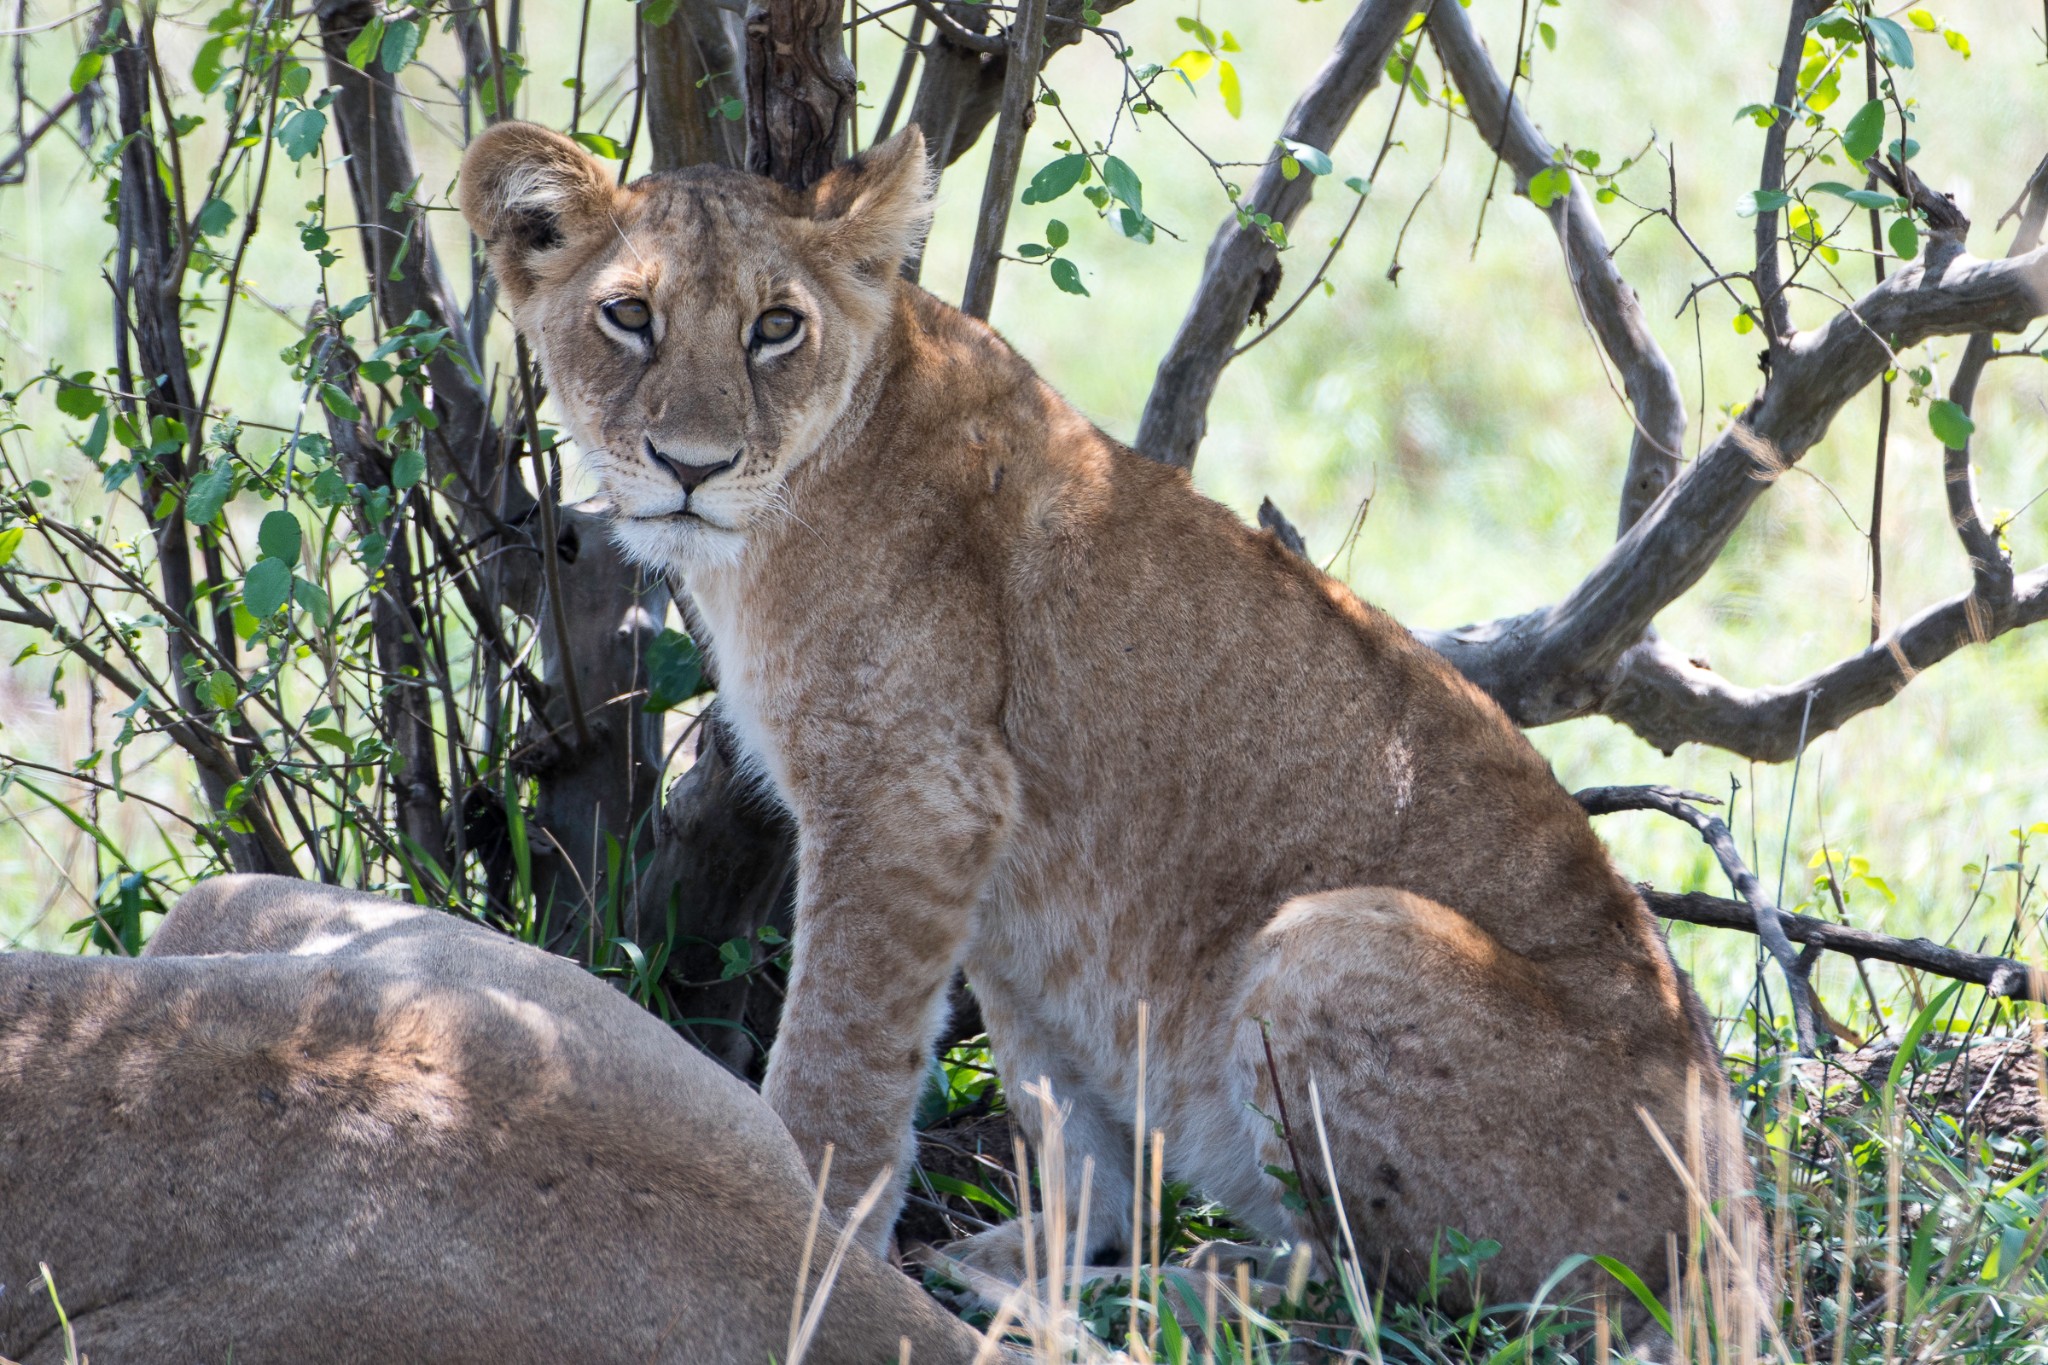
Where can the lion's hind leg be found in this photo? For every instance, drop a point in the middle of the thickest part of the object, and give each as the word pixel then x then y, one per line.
pixel 1454 1088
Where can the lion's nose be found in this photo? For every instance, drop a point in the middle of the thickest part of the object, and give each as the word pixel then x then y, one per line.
pixel 689 475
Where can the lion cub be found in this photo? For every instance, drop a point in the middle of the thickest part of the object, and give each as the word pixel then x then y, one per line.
pixel 1043 711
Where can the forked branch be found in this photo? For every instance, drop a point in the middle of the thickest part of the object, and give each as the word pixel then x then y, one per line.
pixel 1767 921
pixel 1563 661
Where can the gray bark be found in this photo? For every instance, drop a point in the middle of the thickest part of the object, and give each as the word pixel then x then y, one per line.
pixel 1562 661
pixel 1606 302
pixel 1240 257
pixel 2001 976
pixel 800 90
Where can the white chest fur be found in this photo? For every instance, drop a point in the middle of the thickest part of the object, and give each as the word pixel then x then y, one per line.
pixel 753 688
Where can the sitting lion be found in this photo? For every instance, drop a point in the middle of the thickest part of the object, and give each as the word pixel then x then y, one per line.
pixel 374 1133
pixel 1042 711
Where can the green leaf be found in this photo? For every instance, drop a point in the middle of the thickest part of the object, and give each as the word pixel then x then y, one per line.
pixel 408 468
pixel 1055 233
pixel 300 134
pixel 209 493
pixel 1031 251
pixel 1549 185
pixel 209 66
pixel 1888 39
pixel 1067 276
pixel 76 400
pixel 1122 182
pixel 600 145
pixel 655 13
pixel 1915 1031
pixel 1904 235
pixel 338 402
pixel 328 489
pixel 1634 1284
pixel 1952 426
pixel 216 217
pixel 10 542
pixel 675 671
pixel 1864 131
pixel 1055 178
pixel 1860 197
pixel 220 690
pixel 1744 324
pixel 295 81
pixel 1317 161
pixel 280 537
pixel 1760 201
pixel 265 586
pixel 1923 20
pixel 1194 63
pixel 313 598
pixel 1548 35
pixel 87 70
pixel 366 43
pixel 401 41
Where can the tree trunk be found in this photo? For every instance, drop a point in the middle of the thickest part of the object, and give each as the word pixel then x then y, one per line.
pixel 800 90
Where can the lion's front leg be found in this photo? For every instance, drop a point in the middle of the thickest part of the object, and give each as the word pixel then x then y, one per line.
pixel 888 878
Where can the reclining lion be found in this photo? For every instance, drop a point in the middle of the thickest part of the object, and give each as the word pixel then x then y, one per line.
pixel 1042 711
pixel 378 1134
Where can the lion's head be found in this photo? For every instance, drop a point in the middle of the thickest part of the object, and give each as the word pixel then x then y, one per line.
pixel 702 330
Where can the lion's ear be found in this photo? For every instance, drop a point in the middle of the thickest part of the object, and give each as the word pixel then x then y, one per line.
pixel 876 207
pixel 527 189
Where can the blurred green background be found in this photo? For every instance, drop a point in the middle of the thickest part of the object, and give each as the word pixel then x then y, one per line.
pixel 1467 403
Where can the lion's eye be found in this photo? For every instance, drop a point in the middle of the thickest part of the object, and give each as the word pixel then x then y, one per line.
pixel 776 325
pixel 631 314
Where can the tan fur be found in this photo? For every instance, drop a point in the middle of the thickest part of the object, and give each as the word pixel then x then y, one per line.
pixel 377 1134
pixel 1041 710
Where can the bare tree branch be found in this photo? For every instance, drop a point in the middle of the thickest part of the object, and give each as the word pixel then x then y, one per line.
pixel 1558 662
pixel 1241 256
pixel 18 158
pixel 1669 700
pixel 1990 564
pixel 1769 278
pixel 1609 306
pixel 2001 976
pixel 1766 919
pixel 1020 87
pixel 900 89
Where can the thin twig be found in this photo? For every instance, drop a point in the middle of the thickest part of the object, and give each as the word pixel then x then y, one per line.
pixel 1768 919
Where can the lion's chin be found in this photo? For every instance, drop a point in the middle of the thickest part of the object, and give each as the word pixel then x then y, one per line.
pixel 675 543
